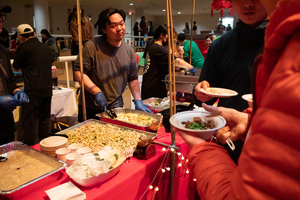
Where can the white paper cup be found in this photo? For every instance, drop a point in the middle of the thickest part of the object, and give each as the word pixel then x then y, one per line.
pixel 61 153
pixel 84 150
pixel 71 157
pixel 73 147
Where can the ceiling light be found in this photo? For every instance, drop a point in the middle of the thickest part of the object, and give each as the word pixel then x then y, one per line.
pixel 131 4
pixel 179 13
pixel 164 10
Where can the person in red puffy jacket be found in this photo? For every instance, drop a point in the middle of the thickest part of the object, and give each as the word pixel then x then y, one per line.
pixel 268 167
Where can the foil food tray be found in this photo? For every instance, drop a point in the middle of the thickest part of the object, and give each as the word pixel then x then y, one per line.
pixel 65 131
pixel 104 117
pixel 37 183
pixel 150 103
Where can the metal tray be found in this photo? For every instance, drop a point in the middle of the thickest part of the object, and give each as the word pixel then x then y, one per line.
pixel 65 131
pixel 156 109
pixel 104 117
pixel 35 184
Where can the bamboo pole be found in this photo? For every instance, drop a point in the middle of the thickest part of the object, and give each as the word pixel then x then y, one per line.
pixel 80 58
pixel 192 22
pixel 172 92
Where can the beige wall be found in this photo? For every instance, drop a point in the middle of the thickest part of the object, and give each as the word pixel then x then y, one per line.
pixel 58 17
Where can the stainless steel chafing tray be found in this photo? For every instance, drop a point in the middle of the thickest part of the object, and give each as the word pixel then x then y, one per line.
pixel 104 117
pixel 35 184
pixel 64 132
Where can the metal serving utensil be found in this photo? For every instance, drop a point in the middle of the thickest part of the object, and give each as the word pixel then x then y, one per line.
pixel 2 159
pixel 111 114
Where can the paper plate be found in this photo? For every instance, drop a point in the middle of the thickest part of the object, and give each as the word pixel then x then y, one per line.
pixel 176 120
pixel 218 92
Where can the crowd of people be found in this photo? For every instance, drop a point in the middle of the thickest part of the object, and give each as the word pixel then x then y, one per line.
pixel 258 56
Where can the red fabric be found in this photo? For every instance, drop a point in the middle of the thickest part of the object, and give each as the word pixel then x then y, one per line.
pixel 268 167
pixel 220 5
pixel 137 58
pixel 133 178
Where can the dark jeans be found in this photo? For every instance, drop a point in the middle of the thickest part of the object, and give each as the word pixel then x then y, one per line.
pixel 35 118
pixel 90 113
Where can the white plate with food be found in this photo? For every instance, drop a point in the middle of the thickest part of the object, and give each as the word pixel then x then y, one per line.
pixel 198 123
pixel 218 92
pixel 249 99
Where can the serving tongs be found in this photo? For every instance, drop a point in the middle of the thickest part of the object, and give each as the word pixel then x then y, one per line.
pixel 2 159
pixel 111 114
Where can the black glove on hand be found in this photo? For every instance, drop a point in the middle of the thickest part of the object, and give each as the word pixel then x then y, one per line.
pixel 140 106
pixel 9 102
pixel 21 96
pixel 101 101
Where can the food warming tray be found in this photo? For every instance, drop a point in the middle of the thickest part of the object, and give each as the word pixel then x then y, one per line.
pixel 35 184
pixel 104 117
pixel 65 131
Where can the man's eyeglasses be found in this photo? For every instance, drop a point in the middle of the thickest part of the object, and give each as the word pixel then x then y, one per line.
pixel 3 16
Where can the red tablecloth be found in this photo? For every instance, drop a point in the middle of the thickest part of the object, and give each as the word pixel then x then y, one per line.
pixel 134 177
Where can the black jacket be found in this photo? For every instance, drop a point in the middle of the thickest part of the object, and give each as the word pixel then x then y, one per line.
pixel 229 62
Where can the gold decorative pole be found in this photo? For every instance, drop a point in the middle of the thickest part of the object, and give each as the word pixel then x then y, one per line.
pixel 192 22
pixel 171 92
pixel 80 58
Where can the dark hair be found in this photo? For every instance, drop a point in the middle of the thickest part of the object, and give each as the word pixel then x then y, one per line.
pixel 143 17
pixel 194 22
pixel 14 36
pixel 209 36
pixel 74 17
pixel 105 14
pixel 162 29
pixel 181 37
pixel 46 32
pixel 27 35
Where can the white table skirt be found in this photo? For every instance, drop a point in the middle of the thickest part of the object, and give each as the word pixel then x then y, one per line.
pixel 63 103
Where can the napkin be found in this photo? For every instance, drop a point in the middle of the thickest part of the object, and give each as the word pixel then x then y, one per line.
pixel 66 191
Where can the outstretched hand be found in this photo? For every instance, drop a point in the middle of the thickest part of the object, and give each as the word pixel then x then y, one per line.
pixel 140 106
pixel 236 122
pixel 200 95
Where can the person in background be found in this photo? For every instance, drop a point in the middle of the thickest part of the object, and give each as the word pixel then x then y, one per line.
pixel 228 28
pixel 197 58
pixel 143 26
pixel 35 59
pixel 109 64
pixel 208 41
pixel 268 166
pixel 50 41
pixel 13 44
pixel 157 66
pixel 150 31
pixel 230 58
pixel 136 32
pixel 186 29
pixel 4 38
pixel 86 34
pixel 70 17
pixel 195 28
pixel 10 95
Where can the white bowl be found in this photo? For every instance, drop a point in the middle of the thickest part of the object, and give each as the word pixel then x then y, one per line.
pixel 74 147
pixel 249 99
pixel 84 150
pixel 176 120
pixel 97 180
pixel 71 157
pixel 53 143
pixel 61 153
